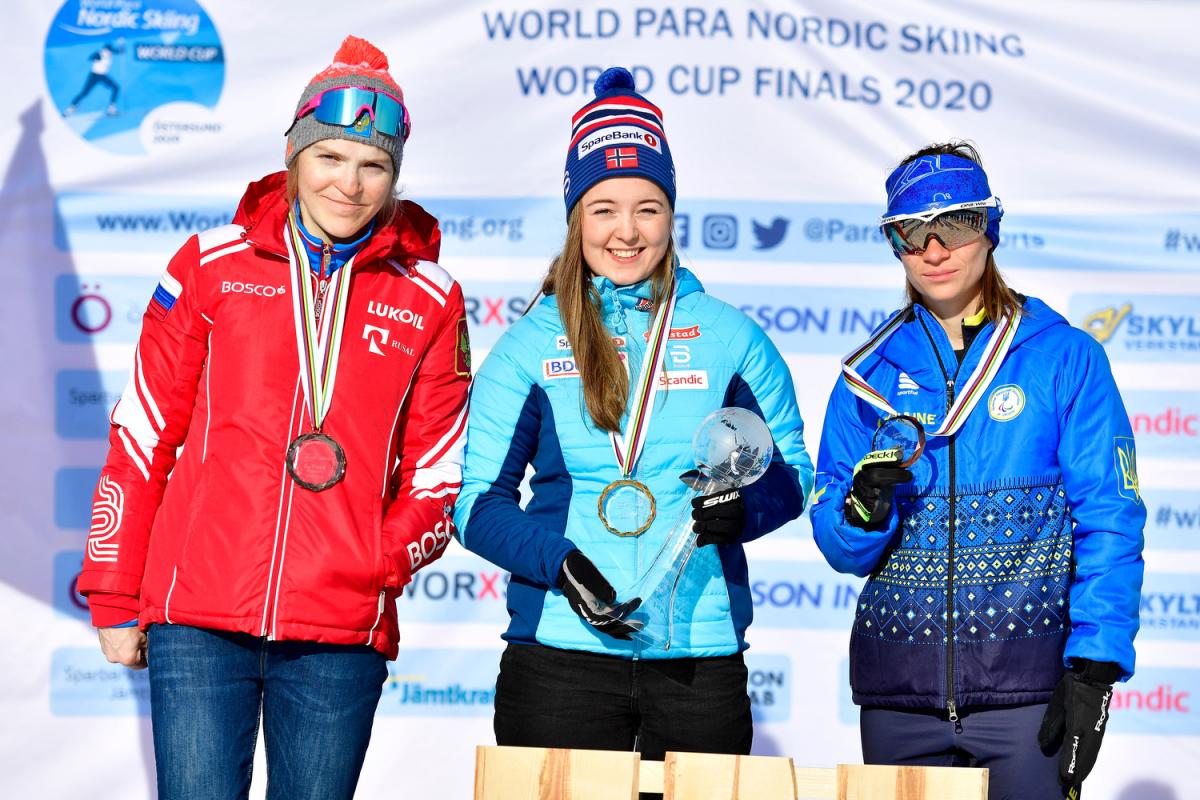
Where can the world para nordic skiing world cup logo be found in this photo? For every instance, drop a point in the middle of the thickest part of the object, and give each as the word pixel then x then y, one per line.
pixel 135 75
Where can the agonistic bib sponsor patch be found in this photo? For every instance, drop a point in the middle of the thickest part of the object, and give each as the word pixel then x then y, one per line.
pixel 684 379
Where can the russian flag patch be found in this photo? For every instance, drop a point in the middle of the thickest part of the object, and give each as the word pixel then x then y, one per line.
pixel 165 295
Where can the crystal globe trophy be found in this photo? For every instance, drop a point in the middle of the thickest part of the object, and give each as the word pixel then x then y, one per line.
pixel 732 448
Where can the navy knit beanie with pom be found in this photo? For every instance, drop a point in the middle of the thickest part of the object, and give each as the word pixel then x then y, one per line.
pixel 617 135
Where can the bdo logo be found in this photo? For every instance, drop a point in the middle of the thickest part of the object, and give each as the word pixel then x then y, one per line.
pixel 132 75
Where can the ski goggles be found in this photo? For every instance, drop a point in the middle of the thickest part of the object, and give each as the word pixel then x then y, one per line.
pixel 344 106
pixel 909 234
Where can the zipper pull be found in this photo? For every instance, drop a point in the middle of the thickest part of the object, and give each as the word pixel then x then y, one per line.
pixel 949 392
pixel 319 303
pixel 326 258
pixel 953 709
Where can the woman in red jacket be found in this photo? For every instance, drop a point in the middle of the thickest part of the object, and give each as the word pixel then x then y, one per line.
pixel 312 363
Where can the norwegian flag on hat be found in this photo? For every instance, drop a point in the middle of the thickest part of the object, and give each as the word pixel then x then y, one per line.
pixel 618 134
pixel 621 158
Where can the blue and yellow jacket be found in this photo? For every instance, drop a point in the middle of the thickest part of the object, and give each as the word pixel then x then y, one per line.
pixel 527 408
pixel 1016 547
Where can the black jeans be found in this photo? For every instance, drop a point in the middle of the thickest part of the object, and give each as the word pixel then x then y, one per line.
pixel 569 698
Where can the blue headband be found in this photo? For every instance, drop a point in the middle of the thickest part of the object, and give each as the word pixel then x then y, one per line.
pixel 930 184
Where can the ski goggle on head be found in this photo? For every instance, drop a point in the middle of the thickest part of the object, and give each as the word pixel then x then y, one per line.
pixel 953 227
pixel 345 106
pixel 941 196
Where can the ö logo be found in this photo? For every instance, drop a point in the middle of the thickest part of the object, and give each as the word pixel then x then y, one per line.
pixel 125 75
pixel 100 309
pixel 90 312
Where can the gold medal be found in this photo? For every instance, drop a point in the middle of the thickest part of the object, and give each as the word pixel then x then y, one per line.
pixel 626 507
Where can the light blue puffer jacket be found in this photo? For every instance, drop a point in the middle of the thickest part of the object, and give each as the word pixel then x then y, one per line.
pixel 527 408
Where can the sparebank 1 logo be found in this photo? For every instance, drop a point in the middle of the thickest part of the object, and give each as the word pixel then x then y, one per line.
pixel 132 75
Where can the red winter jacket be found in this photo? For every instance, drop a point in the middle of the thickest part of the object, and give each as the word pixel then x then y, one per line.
pixel 222 537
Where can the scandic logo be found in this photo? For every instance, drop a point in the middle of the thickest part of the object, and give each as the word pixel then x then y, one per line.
pixel 261 290
pixel 1163 699
pixel 1171 422
pixel 684 379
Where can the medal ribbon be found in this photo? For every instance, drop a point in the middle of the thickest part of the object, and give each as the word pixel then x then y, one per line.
pixel 966 400
pixel 628 449
pixel 318 342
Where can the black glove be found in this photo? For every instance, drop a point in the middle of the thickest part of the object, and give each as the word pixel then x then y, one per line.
pixel 718 518
pixel 592 597
pixel 1077 716
pixel 869 501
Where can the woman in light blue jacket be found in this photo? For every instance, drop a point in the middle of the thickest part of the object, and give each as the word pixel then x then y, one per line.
pixel 606 380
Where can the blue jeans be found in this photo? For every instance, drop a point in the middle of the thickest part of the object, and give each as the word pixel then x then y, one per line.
pixel 1001 738
pixel 208 688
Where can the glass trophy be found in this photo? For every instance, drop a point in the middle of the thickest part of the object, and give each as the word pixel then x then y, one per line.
pixel 732 448
pixel 902 433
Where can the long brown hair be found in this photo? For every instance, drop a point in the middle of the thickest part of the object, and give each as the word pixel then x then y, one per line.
pixel 605 385
pixel 997 298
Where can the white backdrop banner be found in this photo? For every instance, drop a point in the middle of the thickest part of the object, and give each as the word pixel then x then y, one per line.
pixel 135 123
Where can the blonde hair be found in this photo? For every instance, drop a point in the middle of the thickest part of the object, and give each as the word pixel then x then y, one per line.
pixel 605 385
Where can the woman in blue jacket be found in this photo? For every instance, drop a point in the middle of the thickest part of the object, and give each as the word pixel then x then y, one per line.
pixel 1005 564
pixel 606 380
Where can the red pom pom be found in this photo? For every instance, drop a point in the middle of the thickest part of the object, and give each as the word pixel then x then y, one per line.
pixel 355 51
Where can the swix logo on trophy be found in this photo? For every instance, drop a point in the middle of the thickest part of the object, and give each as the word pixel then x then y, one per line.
pixel 404 316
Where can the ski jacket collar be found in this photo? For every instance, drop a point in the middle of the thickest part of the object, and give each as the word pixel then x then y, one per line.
pixel 909 349
pixel 412 236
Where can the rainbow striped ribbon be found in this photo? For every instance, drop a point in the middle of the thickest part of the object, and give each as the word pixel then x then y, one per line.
pixel 318 340
pixel 629 448
pixel 965 401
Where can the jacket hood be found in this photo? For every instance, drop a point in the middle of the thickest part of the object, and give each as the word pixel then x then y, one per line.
pixel 413 235
pixel 909 349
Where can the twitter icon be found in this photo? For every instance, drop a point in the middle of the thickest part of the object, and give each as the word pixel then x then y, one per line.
pixel 769 236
